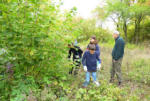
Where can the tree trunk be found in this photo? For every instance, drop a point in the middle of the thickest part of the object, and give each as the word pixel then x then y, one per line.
pixel 135 32
pixel 125 30
pixel 137 29
pixel 117 26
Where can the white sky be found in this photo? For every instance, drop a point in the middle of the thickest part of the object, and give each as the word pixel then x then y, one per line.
pixel 84 8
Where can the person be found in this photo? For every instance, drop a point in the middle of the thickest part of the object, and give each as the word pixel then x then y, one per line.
pixel 90 66
pixel 77 55
pixel 95 42
pixel 117 56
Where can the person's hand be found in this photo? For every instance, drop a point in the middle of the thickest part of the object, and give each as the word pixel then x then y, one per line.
pixel 85 68
pixel 99 66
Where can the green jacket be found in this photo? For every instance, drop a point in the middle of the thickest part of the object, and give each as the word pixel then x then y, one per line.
pixel 118 50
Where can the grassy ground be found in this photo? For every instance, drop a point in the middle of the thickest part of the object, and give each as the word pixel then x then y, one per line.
pixel 135 87
pixel 135 69
pixel 136 78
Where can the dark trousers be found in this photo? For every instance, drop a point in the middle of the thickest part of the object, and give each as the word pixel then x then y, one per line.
pixel 116 69
pixel 75 68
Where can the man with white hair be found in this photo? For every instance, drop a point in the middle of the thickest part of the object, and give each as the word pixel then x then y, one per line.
pixel 117 56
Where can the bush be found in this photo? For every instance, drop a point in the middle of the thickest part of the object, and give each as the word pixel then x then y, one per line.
pixel 88 28
pixel 34 36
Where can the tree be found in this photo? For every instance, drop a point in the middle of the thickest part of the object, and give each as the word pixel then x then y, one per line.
pixel 124 12
pixel 139 11
pixel 99 13
pixel 119 10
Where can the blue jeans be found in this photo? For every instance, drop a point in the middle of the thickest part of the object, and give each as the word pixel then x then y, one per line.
pixel 88 74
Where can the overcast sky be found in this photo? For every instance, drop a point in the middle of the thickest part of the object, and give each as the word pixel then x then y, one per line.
pixel 84 8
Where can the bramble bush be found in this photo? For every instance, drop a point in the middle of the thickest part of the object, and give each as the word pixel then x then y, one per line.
pixel 35 38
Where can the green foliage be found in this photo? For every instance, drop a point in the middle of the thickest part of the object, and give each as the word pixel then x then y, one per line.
pixel 106 92
pixel 34 36
pixel 140 71
pixel 144 32
pixel 88 28
pixel 109 44
pixel 127 14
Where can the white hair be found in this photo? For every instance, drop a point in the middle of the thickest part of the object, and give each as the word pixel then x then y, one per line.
pixel 116 32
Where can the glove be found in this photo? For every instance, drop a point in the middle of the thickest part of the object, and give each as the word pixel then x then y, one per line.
pixel 99 66
pixel 85 68
pixel 77 56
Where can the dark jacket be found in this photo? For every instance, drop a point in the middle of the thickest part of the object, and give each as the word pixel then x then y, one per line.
pixel 118 50
pixel 90 60
pixel 76 51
